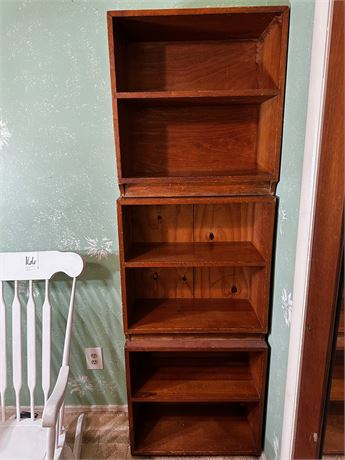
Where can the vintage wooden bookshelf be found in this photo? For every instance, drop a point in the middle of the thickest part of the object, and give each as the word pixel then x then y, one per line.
pixel 198 102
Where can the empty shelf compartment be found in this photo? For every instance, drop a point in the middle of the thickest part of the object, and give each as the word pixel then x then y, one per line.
pixel 214 51
pixel 200 299
pixel 194 430
pixel 197 376
pixel 231 232
pixel 194 315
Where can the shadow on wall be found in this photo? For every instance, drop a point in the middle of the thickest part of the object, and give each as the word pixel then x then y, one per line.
pixel 103 269
pixel 97 322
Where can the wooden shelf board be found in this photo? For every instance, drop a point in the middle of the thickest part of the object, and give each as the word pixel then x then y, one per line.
pixel 194 315
pixel 194 431
pixel 189 343
pixel 231 254
pixel 229 176
pixel 241 96
pixel 335 437
pixel 124 201
pixel 231 381
pixel 199 11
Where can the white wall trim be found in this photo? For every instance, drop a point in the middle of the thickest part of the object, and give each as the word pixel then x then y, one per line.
pixel 316 99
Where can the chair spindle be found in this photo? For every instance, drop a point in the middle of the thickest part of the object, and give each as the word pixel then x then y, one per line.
pixel 31 348
pixel 17 347
pixel 46 342
pixel 3 351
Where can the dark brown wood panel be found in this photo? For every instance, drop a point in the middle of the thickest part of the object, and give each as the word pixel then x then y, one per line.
pixel 235 96
pixel 182 66
pixel 215 200
pixel 204 12
pixel 204 343
pixel 257 184
pixel 188 140
pixel 326 253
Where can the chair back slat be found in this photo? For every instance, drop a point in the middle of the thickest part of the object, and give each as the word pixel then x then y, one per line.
pixel 31 349
pixel 46 342
pixel 3 352
pixel 17 347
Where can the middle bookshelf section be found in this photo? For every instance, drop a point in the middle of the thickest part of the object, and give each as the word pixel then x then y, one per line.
pixel 196 265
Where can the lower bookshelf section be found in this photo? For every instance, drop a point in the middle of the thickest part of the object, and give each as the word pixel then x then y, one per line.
pixel 184 429
pixel 196 395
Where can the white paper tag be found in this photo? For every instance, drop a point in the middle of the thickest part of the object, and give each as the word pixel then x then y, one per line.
pixel 31 261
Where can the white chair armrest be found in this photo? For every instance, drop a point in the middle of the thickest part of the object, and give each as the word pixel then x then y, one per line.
pixel 55 400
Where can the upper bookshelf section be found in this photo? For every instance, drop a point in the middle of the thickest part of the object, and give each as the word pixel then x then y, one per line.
pixel 198 99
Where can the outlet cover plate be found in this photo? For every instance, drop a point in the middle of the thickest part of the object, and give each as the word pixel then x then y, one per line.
pixel 94 358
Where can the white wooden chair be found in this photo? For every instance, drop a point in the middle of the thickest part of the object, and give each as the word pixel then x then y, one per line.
pixel 23 436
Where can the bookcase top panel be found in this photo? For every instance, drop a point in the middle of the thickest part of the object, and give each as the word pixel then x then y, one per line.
pixel 197 24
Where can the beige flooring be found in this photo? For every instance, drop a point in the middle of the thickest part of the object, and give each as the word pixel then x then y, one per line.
pixel 106 437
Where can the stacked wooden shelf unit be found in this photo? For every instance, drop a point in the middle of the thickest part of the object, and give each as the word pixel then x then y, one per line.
pixel 198 101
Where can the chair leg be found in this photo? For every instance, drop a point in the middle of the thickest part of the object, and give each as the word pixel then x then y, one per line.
pixel 51 443
pixel 78 437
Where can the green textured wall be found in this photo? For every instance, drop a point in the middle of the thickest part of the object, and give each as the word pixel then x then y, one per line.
pixel 57 173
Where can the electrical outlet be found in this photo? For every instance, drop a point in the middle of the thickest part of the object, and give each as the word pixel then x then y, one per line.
pixel 94 358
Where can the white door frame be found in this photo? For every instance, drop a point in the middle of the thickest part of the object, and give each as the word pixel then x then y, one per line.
pixel 316 99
